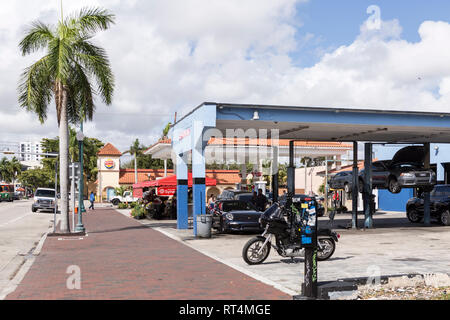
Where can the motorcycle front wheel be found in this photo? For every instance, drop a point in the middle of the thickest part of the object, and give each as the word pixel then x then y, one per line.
pixel 326 249
pixel 252 252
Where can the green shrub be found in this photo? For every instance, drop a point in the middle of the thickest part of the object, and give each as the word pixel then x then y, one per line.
pixel 138 212
pixel 122 206
pixel 133 205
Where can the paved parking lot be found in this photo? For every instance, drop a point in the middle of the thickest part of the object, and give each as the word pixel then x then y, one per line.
pixel 395 247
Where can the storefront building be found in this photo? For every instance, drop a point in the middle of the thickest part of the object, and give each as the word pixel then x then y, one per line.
pixel 112 176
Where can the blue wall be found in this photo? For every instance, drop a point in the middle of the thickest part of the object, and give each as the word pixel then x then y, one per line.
pixel 394 202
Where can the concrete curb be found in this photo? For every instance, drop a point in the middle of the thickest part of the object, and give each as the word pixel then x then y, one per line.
pixel 24 267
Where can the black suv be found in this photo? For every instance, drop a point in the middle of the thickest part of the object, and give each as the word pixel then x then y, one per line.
pixel 439 206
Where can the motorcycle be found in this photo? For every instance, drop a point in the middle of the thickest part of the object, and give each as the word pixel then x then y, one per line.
pixel 276 227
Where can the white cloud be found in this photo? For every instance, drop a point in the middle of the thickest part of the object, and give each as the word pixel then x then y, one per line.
pixel 170 56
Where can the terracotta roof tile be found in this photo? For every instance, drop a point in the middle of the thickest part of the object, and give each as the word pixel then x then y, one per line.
pixel 126 176
pixel 281 142
pixel 109 150
pixel 227 177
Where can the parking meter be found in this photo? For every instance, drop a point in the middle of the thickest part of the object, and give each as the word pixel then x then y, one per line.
pixel 308 230
pixel 308 237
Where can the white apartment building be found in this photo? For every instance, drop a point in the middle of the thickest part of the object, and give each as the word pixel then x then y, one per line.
pixel 30 147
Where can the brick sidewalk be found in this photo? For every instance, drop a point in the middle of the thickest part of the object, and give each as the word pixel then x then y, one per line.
pixel 122 259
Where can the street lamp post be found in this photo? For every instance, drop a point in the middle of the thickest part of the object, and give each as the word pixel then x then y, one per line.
pixel 80 226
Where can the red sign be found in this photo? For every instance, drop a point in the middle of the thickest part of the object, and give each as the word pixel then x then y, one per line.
pixel 109 164
pixel 257 174
pixel 166 191
pixel 185 134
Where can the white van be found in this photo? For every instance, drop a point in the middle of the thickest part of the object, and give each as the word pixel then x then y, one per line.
pixel 44 199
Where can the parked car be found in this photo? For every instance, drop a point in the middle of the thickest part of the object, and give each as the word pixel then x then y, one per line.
pixel 405 170
pixel 439 206
pixel 320 210
pixel 232 194
pixel 18 195
pixel 342 180
pixel 235 215
pixel 44 199
pixel 127 197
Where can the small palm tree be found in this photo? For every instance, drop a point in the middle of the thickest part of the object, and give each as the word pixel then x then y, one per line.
pixel 166 130
pixel 66 73
pixel 5 172
pixel 120 191
pixel 16 168
pixel 135 150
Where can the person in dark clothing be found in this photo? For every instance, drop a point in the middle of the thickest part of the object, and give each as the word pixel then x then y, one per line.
pixel 261 201
pixel 254 198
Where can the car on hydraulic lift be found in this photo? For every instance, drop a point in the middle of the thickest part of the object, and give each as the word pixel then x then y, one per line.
pixel 405 170
pixel 439 206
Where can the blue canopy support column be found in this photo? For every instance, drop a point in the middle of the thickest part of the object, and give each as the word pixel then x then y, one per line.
pixel 187 136
pixel 355 188
pixel 367 190
pixel 426 195
pixel 198 172
pixel 275 169
pixel 182 193
pixel 291 170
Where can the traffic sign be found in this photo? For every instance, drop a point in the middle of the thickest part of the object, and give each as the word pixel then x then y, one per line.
pixel 77 170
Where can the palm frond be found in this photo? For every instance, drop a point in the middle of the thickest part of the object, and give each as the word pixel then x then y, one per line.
pixel 90 20
pixel 37 37
pixel 35 88
pixel 96 62
pixel 81 99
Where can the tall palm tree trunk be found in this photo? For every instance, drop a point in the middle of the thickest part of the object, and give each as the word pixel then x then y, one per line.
pixel 63 163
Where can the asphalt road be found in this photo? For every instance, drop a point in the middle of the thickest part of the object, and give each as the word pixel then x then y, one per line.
pixel 20 232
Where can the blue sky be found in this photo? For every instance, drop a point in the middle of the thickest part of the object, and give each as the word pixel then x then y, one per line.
pixel 337 23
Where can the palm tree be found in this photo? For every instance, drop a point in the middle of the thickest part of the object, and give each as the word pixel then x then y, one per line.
pixel 16 168
pixel 66 74
pixel 9 169
pixel 135 150
pixel 166 130
pixel 5 171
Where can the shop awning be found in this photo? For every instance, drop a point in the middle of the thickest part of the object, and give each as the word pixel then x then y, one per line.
pixel 171 181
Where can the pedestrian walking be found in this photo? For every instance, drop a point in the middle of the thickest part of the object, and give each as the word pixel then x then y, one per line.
pixel 336 199
pixel 92 200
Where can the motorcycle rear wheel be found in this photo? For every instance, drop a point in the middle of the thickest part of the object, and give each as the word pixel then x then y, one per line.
pixel 329 246
pixel 250 251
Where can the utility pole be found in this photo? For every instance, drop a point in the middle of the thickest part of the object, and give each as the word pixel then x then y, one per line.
pixel 56 196
pixel 80 138
pixel 72 192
